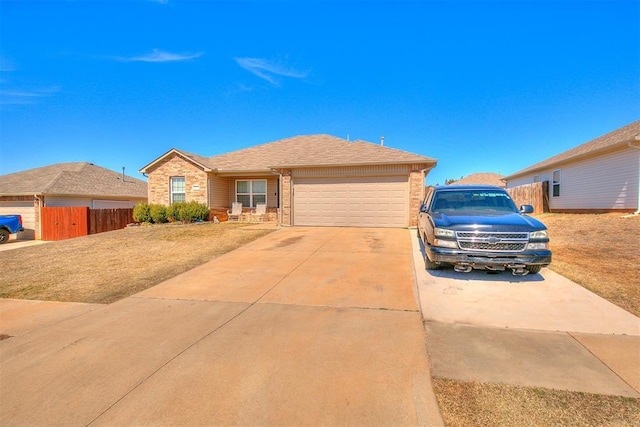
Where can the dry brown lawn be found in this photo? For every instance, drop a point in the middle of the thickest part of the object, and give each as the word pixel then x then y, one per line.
pixel 470 404
pixel 600 252
pixel 106 267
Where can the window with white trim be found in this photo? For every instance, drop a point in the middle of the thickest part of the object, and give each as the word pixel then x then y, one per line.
pixel 178 193
pixel 251 192
pixel 556 183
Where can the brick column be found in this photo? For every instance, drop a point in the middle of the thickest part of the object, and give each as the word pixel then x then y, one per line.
pixel 286 195
pixel 37 205
pixel 416 186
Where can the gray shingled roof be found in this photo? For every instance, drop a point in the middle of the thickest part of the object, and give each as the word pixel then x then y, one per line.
pixel 304 151
pixel 481 178
pixel 619 136
pixel 312 150
pixel 73 179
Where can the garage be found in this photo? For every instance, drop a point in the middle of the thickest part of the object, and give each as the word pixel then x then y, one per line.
pixel 354 202
pixel 27 211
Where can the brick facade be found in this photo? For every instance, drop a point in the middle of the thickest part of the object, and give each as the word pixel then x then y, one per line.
pixel 196 182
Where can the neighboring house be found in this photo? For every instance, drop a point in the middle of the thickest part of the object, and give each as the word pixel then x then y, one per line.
pixel 481 178
pixel 312 180
pixel 602 175
pixel 66 184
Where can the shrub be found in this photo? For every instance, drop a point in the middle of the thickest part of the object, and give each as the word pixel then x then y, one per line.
pixel 195 211
pixel 173 212
pixel 141 213
pixel 188 212
pixel 158 213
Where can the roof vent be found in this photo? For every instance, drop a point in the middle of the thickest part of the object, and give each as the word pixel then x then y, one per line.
pixel 382 140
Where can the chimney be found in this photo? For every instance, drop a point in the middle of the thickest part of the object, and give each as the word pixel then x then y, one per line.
pixel 382 140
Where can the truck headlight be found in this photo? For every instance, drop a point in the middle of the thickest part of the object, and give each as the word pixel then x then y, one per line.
pixel 443 232
pixel 538 245
pixel 540 234
pixel 446 243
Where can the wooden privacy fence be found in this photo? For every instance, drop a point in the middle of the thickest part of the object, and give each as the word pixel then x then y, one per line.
pixel 59 223
pixel 535 194
pixel 101 220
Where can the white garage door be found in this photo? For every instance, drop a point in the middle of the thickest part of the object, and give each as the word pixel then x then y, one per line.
pixel 359 202
pixel 27 211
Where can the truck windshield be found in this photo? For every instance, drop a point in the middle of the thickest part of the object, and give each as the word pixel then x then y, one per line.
pixel 469 200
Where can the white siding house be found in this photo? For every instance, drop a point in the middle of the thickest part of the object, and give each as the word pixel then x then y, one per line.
pixel 602 175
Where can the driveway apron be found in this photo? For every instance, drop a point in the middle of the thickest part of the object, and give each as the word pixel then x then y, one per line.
pixel 306 326
pixel 540 330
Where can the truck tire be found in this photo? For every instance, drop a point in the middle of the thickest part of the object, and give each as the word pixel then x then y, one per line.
pixel 534 269
pixel 430 265
pixel 4 235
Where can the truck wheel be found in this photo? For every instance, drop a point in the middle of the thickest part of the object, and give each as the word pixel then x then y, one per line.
pixel 430 265
pixel 533 269
pixel 4 236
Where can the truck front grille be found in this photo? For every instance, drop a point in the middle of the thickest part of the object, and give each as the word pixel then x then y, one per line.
pixel 492 242
pixel 496 247
pixel 473 235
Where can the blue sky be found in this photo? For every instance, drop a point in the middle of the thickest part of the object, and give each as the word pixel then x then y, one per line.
pixel 482 86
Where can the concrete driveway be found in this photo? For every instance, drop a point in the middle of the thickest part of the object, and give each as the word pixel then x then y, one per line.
pixel 539 330
pixel 306 326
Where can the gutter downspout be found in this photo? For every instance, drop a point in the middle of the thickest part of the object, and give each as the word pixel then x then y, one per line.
pixel 279 216
pixel 636 144
pixel 279 208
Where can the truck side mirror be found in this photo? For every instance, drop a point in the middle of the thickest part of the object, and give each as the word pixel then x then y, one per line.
pixel 423 207
pixel 526 209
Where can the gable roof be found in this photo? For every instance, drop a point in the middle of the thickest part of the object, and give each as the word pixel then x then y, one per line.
pixel 619 137
pixel 302 151
pixel 77 179
pixel 485 178
pixel 201 161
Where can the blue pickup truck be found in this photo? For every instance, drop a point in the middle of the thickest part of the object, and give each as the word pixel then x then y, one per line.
pixel 9 224
pixel 479 227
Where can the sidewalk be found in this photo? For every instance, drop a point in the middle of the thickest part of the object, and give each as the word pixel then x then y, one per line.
pixel 15 244
pixel 538 330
